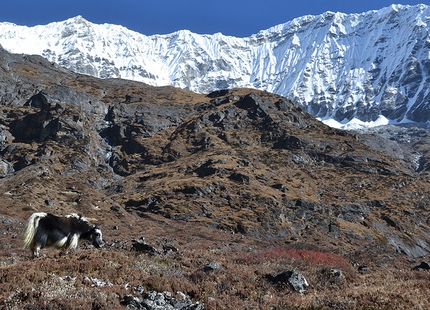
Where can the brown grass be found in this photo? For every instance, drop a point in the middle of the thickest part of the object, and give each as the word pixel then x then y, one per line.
pixel 291 236
pixel 63 281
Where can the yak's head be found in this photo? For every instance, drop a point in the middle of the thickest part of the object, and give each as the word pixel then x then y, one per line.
pixel 96 237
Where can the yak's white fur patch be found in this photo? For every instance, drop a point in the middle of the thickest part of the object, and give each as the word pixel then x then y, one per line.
pixel 60 243
pixel 32 224
pixel 73 242
pixel 99 232
pixel 38 214
pixel 77 216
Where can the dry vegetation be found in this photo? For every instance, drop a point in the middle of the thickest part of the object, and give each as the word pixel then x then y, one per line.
pixel 257 186
pixel 99 279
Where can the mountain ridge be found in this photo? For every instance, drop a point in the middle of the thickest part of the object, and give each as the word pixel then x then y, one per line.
pixel 371 67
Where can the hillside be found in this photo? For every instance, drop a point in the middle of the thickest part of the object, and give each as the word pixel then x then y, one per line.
pixel 371 67
pixel 241 177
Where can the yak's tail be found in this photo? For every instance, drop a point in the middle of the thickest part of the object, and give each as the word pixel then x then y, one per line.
pixel 30 231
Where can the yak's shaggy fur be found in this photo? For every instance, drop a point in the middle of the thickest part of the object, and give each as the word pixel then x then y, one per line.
pixel 46 229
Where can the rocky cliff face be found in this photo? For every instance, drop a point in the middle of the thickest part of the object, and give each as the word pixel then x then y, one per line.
pixel 372 67
pixel 239 160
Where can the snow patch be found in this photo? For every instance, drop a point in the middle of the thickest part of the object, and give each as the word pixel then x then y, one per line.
pixel 355 124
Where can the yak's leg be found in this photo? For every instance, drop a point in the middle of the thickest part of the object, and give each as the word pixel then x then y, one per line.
pixel 39 243
pixel 36 250
pixel 72 242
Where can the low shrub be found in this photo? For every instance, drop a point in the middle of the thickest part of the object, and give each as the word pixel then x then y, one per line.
pixel 295 256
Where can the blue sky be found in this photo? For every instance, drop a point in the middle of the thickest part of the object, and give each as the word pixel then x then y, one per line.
pixel 231 17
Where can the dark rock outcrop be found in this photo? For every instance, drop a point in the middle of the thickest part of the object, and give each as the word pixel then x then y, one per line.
pixel 140 245
pixel 422 266
pixel 295 279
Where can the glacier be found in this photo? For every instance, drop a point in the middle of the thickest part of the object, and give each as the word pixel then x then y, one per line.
pixel 348 70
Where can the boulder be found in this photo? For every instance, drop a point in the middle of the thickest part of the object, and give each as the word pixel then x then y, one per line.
pixel 295 279
pixel 219 93
pixel 212 266
pixel 422 266
pixel 336 276
pixel 153 300
pixel 6 168
pixel 140 245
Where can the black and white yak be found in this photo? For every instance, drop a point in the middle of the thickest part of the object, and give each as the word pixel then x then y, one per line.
pixel 46 229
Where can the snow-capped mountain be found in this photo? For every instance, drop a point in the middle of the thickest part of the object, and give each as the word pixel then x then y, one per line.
pixel 371 67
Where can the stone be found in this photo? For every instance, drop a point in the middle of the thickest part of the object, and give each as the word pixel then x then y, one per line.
pixel 219 93
pixel 167 248
pixel 295 279
pixel 131 302
pixel 422 266
pixel 241 178
pixel 154 300
pixel 335 276
pixel 140 245
pixel 6 168
pixel 212 266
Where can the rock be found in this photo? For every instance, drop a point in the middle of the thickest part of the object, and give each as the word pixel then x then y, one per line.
pixel 353 213
pixel 219 93
pixel 94 282
pixel 132 99
pixel 291 143
pixel 281 187
pixel 241 178
pixel 38 101
pixel 198 191
pixel 336 276
pixel 140 245
pixel 167 248
pixel 5 136
pixel 211 266
pixel 422 266
pixel 131 302
pixel 6 168
pixel 296 280
pixel 153 300
pixel 115 208
pixel 49 202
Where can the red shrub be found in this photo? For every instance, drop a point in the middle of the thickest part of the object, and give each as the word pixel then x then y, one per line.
pixel 293 255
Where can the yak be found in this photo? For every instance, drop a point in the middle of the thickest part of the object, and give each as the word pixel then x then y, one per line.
pixel 46 229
